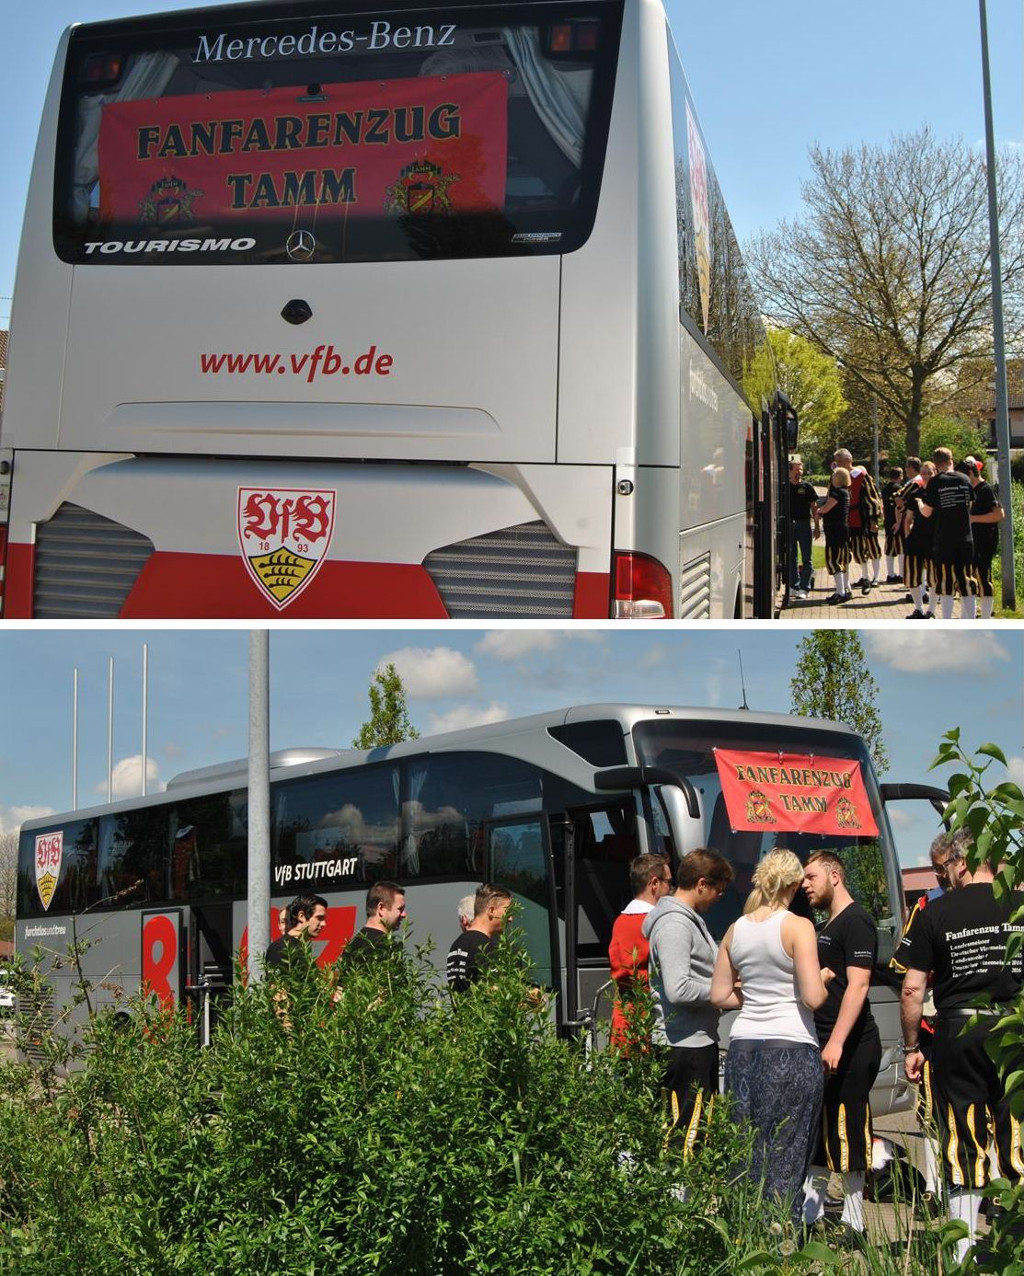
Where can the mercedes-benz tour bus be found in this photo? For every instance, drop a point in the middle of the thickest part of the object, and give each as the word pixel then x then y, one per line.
pixel 554 806
pixel 327 311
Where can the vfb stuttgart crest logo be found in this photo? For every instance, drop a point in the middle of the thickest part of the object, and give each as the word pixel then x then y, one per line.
pixel 284 534
pixel 49 853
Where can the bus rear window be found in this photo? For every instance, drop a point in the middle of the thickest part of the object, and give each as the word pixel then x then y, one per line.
pixel 266 137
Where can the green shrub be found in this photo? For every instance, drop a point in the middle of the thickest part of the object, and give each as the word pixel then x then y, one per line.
pixel 382 1129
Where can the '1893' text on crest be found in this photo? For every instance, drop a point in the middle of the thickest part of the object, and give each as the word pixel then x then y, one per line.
pixel 284 534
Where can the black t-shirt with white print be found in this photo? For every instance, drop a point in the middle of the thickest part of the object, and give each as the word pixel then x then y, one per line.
pixel 961 938
pixel 949 494
pixel 467 958
pixel 851 939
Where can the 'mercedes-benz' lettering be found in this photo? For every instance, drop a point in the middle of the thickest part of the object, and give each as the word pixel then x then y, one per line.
pixel 314 42
pixel 111 246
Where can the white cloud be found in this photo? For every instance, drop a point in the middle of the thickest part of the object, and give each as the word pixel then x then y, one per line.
pixel 12 817
pixel 899 819
pixel 1015 767
pixel 974 652
pixel 126 780
pixel 512 644
pixel 430 673
pixel 466 716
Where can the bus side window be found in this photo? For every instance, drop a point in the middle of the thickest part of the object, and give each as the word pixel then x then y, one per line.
pixel 517 858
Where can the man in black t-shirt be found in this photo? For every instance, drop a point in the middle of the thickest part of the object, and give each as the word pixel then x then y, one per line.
pixel 986 515
pixel 307 916
pixel 947 501
pixel 803 505
pixel 960 940
pixel 385 912
pixel 893 533
pixel 851 1050
pixel 918 568
pixel 469 954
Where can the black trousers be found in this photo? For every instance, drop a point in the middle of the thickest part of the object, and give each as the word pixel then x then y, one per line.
pixel 690 1087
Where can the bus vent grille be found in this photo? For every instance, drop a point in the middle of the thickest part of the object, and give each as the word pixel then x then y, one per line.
pixel 695 589
pixel 517 572
pixel 86 565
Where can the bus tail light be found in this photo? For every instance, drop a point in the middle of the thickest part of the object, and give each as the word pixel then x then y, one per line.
pixel 643 588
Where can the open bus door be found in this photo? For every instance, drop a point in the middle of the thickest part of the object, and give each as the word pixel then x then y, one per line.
pixel 786 436
pixel 598 843
pixel 209 964
pixel 775 437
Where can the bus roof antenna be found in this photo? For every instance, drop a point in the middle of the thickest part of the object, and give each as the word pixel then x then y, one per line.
pixel 743 684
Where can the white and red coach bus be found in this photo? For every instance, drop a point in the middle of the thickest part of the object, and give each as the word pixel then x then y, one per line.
pixel 333 312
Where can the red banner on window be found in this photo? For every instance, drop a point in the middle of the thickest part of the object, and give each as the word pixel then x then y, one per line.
pixel 436 144
pixel 794 793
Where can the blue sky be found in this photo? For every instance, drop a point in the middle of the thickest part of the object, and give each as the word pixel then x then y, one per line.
pixel 768 80
pixel 930 680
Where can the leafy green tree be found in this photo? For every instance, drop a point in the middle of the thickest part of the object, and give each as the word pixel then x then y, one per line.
pixel 962 438
pixel 832 680
pixel 811 381
pixel 389 714
pixel 889 271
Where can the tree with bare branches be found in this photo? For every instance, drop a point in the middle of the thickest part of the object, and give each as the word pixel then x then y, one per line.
pixel 889 271
pixel 8 882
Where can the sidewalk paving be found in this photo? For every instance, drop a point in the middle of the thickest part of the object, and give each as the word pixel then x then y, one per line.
pixel 884 602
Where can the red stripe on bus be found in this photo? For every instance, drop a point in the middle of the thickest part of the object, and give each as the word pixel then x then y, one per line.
pixel 18 578
pixel 173 586
pixel 591 598
pixel 216 586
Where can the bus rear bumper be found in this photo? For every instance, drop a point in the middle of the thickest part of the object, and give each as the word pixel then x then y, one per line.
pixel 160 538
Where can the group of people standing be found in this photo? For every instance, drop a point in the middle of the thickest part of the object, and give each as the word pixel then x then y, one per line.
pixel 940 532
pixel 804 1049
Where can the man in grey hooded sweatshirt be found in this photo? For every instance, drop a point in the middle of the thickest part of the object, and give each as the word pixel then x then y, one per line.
pixel 682 960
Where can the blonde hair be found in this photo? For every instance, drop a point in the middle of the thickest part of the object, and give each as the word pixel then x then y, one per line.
pixel 840 477
pixel 776 873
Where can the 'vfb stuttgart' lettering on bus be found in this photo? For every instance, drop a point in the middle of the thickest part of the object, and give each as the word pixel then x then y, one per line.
pixel 314 42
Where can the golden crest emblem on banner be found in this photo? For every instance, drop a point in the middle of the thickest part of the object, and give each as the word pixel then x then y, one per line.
pixel 846 814
pixel 168 203
pixel 759 809
pixel 421 188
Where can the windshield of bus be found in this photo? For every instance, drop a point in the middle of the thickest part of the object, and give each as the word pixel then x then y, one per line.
pixel 257 135
pixel 825 761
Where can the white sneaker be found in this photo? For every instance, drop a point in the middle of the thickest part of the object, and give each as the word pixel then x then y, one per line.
pixel 800 595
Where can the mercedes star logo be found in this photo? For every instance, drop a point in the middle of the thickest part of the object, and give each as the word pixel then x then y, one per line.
pixel 301 245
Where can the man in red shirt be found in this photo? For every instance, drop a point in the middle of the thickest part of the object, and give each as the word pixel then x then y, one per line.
pixel 650 879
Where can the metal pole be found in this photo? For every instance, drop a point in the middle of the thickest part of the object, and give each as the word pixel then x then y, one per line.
pixel 110 729
pixel 145 711
pixel 259 801
pixel 74 743
pixel 1002 407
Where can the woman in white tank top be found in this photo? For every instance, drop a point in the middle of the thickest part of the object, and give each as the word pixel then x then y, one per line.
pixel 769 958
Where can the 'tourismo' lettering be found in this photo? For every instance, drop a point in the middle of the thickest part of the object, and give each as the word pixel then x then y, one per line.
pixel 109 246
pixel 314 42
